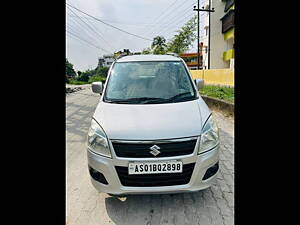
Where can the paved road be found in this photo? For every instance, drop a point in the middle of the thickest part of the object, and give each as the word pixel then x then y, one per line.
pixel 85 206
pixel 74 85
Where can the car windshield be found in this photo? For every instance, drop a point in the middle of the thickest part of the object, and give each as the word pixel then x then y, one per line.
pixel 149 82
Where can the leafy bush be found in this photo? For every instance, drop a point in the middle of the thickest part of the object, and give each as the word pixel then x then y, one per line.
pixel 89 76
pixel 96 78
pixel 102 71
pixel 69 69
pixel 83 77
pixel 66 79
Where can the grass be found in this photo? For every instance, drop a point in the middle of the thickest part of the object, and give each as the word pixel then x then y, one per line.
pixel 96 78
pixel 223 93
pixel 77 82
pixel 91 80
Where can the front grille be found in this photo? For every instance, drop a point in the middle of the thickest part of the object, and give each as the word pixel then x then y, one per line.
pixel 142 150
pixel 154 180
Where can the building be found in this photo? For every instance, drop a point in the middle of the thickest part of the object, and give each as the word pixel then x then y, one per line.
pixel 106 61
pixel 100 62
pixel 122 53
pixel 222 34
pixel 191 59
pixel 125 52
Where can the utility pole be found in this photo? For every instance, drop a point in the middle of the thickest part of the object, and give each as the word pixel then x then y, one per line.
pixel 209 11
pixel 198 42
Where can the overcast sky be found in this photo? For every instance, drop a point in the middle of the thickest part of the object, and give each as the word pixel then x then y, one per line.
pixel 146 18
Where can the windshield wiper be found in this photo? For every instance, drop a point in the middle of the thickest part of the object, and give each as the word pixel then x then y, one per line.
pixel 134 100
pixel 175 98
pixel 147 100
pixel 180 96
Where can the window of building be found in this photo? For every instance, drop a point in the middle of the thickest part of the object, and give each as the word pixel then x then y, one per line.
pixel 227 21
pixel 229 3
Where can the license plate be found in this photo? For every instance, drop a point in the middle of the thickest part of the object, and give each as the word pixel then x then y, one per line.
pixel 155 167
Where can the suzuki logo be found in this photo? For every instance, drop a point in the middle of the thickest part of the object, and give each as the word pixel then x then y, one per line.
pixel 155 150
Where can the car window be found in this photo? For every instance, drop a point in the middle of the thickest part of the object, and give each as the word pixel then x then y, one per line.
pixel 160 80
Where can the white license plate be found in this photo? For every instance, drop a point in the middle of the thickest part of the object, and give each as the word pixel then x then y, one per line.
pixel 155 167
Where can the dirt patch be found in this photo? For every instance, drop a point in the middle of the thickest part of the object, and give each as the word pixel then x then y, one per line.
pixel 71 90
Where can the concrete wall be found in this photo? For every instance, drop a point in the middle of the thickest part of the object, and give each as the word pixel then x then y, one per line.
pixel 215 76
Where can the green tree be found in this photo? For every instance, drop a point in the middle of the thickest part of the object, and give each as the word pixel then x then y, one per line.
pixel 159 45
pixel 70 72
pixel 67 79
pixel 184 38
pixel 83 77
pixel 102 71
pixel 88 73
pixel 146 51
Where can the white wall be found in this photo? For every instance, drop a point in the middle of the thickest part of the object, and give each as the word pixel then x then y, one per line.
pixel 217 42
pixel 108 60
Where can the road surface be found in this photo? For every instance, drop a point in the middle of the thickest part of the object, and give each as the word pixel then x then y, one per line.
pixel 85 206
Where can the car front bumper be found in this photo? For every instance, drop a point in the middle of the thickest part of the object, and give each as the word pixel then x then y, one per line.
pixel 106 166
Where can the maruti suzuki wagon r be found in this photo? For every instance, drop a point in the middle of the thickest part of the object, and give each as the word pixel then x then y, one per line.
pixel 151 131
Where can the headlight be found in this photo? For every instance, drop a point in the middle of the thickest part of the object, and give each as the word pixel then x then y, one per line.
pixel 97 140
pixel 209 136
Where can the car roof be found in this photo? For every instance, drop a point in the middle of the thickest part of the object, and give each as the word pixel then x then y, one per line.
pixel 140 58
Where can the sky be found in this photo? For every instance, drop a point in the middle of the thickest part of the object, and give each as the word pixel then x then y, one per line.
pixel 145 18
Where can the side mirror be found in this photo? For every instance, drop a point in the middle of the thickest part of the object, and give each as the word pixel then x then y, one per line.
pixel 199 83
pixel 97 87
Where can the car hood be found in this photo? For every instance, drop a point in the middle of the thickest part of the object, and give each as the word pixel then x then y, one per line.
pixel 151 121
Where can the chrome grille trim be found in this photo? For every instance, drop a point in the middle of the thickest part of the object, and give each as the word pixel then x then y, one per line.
pixel 158 141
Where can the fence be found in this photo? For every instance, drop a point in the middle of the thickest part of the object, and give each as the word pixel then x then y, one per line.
pixel 224 77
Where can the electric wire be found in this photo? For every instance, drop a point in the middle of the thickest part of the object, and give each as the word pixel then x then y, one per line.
pixel 97 19
pixel 164 11
pixel 72 29
pixel 87 42
pixel 92 29
pixel 83 30
pixel 166 16
pixel 117 22
pixel 178 22
pixel 152 31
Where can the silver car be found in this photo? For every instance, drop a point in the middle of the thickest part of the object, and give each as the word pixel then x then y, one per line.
pixel 151 131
